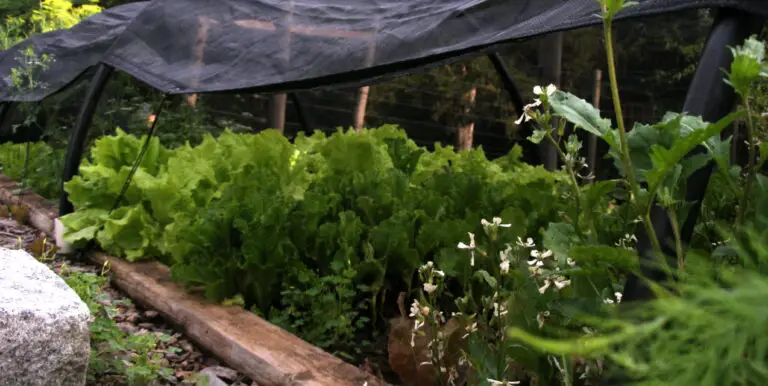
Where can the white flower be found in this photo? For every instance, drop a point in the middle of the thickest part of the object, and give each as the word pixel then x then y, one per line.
pixel 561 282
pixel 608 301
pixel 535 267
pixel 470 247
pixel 429 288
pixel 504 266
pixel 571 262
pixel 541 255
pixel 499 309
pixel 504 256
pixel 618 295
pixel 470 329
pixel 549 90
pixel 541 317
pixel 494 382
pixel 527 244
pixel 558 281
pixel 526 116
pixel 415 308
pixel 496 223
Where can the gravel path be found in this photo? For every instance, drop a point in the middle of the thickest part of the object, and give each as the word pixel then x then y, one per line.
pixel 185 360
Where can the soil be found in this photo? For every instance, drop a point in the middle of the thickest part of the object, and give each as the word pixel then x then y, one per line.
pixel 133 319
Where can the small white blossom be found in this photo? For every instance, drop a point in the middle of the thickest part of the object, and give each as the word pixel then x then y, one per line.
pixel 527 244
pixel 542 317
pixel 549 90
pixel 541 255
pixel 471 247
pixel 558 281
pixel 429 288
pixel 571 262
pixel 496 223
pixel 526 116
pixel 415 308
pixel 535 267
pixel 504 266
pixel 470 329
pixel 499 309
pixel 504 256
pixel 494 382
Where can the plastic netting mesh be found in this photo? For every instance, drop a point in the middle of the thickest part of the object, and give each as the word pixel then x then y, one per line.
pixel 184 46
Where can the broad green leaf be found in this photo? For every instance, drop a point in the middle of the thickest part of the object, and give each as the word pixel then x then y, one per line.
pixel 596 193
pixel 484 275
pixel 537 136
pixel 664 160
pixel 579 112
pixel 559 238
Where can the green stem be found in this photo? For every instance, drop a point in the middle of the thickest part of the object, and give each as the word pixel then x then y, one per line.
pixel 572 177
pixel 626 160
pixel 624 151
pixel 678 240
pixel 648 225
pixel 567 381
pixel 751 169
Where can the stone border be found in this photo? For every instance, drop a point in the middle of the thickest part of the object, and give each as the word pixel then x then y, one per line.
pixel 267 354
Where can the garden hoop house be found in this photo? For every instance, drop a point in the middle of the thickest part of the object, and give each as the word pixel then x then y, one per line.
pixel 284 46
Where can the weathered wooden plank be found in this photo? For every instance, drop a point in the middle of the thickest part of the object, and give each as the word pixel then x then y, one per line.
pixel 41 211
pixel 268 354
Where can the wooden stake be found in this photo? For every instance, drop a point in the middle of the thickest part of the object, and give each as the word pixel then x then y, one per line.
pixel 199 53
pixel 278 102
pixel 466 132
pixel 362 96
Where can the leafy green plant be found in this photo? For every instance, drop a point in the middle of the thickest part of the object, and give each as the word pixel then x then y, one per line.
pixel 35 165
pixel 345 218
pixel 579 329
pixel 511 282
pixel 710 332
pixel 113 351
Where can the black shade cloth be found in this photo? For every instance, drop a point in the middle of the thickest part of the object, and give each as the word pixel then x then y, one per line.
pixel 185 46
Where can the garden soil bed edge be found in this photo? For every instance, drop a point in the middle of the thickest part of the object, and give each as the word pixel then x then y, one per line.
pixel 266 353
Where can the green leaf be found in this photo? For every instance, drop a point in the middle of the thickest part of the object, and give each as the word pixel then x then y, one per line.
pixel 559 238
pixel 579 112
pixel 484 275
pixel 598 258
pixel 665 160
pixel 537 136
pixel 612 7
pixel 597 193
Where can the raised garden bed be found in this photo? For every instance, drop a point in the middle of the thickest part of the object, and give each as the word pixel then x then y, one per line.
pixel 265 353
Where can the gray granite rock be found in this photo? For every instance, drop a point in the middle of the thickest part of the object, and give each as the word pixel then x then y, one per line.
pixel 44 334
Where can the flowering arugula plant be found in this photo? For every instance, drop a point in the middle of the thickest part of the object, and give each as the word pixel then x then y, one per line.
pixel 514 282
pixel 657 342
